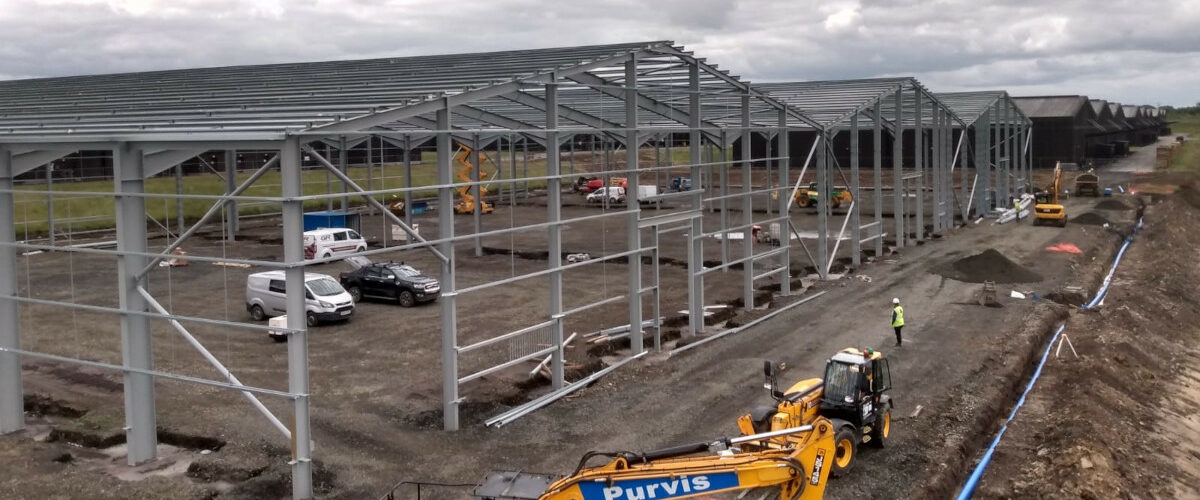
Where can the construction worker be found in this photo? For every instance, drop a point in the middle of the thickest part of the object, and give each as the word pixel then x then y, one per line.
pixel 897 318
pixel 1016 207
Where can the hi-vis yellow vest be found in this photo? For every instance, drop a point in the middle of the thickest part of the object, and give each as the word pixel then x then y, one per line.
pixel 899 321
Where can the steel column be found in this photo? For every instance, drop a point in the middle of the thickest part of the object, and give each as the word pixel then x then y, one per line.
pixel 49 201
pixel 448 300
pixel 964 178
pixel 1019 157
pixel 855 220
pixel 1011 147
pixel 1001 193
pixel 898 170
pixel 919 161
pixel 935 165
pixel 983 162
pixel 785 231
pixel 231 208
pixel 939 169
pixel 512 168
pixel 633 203
pixel 12 404
pixel 822 166
pixel 695 232
pixel 408 238
pixel 371 175
pixel 877 166
pixel 291 181
pixel 1002 158
pixel 178 201
pixel 342 165
pixel 554 215
pixel 747 208
pixel 141 434
pixel 724 173
pixel 477 190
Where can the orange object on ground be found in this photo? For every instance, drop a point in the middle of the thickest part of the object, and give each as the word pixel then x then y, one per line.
pixel 1065 248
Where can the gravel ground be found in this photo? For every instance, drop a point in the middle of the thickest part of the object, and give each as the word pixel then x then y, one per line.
pixel 375 379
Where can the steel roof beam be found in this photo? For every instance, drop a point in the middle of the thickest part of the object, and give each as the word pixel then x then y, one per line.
pixel 24 162
pixel 433 105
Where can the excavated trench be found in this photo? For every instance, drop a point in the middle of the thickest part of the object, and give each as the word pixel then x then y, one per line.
pixel 990 407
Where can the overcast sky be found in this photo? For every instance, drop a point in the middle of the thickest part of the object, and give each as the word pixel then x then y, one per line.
pixel 1135 52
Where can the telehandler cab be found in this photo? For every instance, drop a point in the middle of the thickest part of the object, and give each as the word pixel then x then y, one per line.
pixel 853 395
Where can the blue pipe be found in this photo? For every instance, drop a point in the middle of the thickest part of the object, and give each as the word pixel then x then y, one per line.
pixel 1108 279
pixel 968 488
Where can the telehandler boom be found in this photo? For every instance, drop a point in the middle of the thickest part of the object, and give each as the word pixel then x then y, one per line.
pixel 789 464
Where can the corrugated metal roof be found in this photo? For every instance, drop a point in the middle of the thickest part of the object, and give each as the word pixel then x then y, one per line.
pixel 1061 106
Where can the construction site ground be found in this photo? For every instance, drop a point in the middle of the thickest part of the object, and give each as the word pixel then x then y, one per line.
pixel 376 380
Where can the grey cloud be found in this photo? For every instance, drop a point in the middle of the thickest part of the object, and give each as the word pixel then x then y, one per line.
pixel 1066 46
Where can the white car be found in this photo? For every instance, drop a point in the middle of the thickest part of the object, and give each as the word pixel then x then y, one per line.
pixel 324 297
pixel 331 242
pixel 613 193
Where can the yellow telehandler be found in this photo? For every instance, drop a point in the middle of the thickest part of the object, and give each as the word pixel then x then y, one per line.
pixel 853 396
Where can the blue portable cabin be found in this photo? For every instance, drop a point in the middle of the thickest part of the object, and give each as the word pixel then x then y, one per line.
pixel 332 218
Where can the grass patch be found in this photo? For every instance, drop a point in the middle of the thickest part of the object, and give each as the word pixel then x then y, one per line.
pixel 1188 157
pixel 74 210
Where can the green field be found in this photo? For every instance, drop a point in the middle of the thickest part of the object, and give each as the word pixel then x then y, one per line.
pixel 80 212
pixel 1188 158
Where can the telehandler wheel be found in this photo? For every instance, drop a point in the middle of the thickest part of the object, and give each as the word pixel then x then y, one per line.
pixel 881 430
pixel 846 446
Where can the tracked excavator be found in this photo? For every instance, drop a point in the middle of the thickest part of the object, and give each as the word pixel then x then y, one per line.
pixel 786 464
pixel 1047 209
pixel 853 397
pixel 466 204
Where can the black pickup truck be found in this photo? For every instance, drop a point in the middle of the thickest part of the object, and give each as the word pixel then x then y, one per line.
pixel 390 281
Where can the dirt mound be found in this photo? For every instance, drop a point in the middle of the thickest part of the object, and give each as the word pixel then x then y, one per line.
pixel 1091 219
pixel 1111 204
pixel 988 265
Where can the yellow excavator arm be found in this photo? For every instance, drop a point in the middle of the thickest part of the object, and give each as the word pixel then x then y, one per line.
pixel 467 204
pixel 1056 184
pixel 795 462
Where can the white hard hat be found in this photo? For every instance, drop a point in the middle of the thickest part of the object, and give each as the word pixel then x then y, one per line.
pixel 896 300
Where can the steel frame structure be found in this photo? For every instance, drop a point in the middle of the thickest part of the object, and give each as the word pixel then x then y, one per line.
pixel 151 122
pixel 894 106
pixel 998 149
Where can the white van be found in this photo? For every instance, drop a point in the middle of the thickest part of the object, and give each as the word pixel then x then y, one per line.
pixel 332 241
pixel 324 297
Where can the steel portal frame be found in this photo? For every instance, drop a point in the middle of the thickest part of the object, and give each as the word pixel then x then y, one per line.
pixel 892 105
pixel 626 94
pixel 998 149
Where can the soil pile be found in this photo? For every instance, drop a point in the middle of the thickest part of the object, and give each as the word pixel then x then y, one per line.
pixel 988 265
pixel 1091 219
pixel 1111 204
